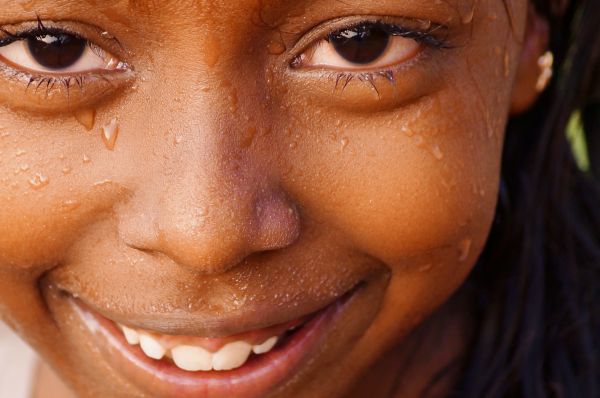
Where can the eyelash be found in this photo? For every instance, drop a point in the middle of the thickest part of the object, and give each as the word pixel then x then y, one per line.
pixel 426 37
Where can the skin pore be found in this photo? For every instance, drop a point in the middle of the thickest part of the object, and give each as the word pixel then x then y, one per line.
pixel 249 180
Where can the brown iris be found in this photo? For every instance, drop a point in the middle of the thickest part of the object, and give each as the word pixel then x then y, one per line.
pixel 56 51
pixel 361 45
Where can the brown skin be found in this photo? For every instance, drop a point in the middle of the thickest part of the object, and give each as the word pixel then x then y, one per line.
pixel 237 179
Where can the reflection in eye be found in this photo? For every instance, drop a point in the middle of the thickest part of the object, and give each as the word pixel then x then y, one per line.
pixel 56 52
pixel 368 45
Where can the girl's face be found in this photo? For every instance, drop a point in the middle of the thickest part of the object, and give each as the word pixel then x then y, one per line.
pixel 201 169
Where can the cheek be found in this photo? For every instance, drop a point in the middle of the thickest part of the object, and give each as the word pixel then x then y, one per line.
pixel 405 188
pixel 52 185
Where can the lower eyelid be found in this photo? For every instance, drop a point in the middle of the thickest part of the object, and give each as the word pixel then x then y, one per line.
pixel 52 95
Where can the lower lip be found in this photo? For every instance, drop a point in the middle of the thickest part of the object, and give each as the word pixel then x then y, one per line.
pixel 258 377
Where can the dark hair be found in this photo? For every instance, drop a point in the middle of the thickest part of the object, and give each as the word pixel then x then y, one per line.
pixel 538 279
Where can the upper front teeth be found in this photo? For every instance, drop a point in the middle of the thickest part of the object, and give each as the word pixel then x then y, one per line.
pixel 192 358
pixel 131 335
pixel 231 356
pixel 152 347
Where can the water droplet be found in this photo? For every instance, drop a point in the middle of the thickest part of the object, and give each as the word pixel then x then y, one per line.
pixel 86 117
pixel 437 152
pixel 276 48
pixel 233 101
pixel 71 204
pixel 86 158
pixel 212 50
pixel 506 63
pixel 66 170
pixel 345 141
pixel 468 17
pixel 425 268
pixel 110 132
pixel 20 152
pixel 407 131
pixel 39 181
pixel 24 167
pixel 107 35
pixel 419 141
pixel 248 138
pixel 464 248
pixel 102 183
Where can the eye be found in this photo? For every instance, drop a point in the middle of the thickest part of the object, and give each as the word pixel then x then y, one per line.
pixel 56 52
pixel 367 46
pixel 41 63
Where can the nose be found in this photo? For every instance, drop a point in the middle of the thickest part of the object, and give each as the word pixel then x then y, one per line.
pixel 208 213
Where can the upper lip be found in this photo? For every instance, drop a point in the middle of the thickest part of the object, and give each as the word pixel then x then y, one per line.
pixel 204 324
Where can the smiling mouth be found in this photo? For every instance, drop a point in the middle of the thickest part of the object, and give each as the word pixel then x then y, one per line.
pixel 250 364
pixel 195 354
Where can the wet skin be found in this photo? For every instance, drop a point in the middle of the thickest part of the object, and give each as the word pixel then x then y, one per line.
pixel 245 187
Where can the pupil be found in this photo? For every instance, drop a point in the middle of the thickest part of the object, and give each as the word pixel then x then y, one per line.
pixel 56 51
pixel 361 45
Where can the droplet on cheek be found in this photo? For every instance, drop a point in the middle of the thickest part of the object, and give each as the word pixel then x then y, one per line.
pixel 466 10
pixel 233 101
pixel 506 63
pixel 248 138
pixel 212 51
pixel 86 117
pixel 407 131
pixel 468 17
pixel 425 268
pixel 71 204
pixel 39 181
pixel 86 158
pixel 464 248
pixel 437 152
pixel 110 133
pixel 345 142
